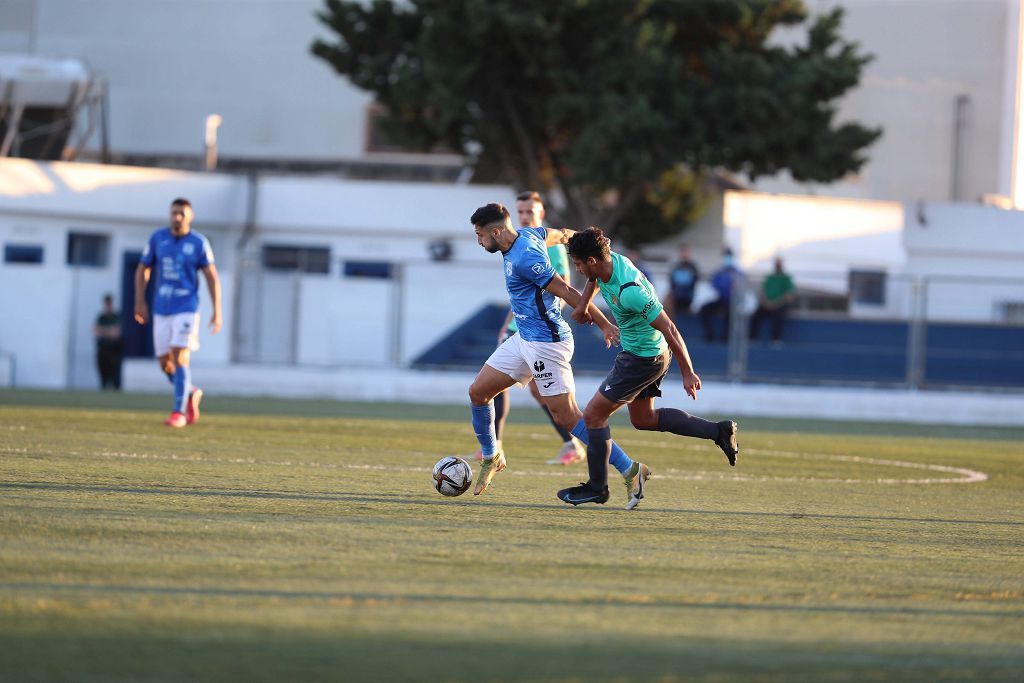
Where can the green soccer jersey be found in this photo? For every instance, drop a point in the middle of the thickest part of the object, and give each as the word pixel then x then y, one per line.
pixel 635 304
pixel 560 262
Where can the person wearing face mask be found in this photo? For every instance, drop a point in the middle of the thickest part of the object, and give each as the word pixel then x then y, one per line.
pixel 724 281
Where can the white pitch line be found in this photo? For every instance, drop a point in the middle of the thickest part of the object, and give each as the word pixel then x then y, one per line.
pixel 966 476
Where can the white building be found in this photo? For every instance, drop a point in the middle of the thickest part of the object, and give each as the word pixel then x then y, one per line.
pixel 69 233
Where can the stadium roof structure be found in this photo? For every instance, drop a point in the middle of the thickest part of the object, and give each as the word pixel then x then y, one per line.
pixel 41 102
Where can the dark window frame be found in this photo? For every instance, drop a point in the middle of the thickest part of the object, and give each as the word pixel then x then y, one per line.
pixel 90 256
pixel 296 258
pixel 382 270
pixel 868 286
pixel 25 254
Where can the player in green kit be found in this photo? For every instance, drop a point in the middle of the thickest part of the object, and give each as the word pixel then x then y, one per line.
pixel 646 335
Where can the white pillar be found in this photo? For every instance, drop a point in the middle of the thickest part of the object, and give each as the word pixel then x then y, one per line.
pixel 1011 156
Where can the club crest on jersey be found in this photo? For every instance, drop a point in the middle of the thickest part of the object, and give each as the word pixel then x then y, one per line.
pixel 508 267
pixel 538 268
pixel 615 300
pixel 188 248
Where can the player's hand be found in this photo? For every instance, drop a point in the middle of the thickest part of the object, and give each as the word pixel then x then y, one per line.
pixel 215 323
pixel 611 336
pixel 691 382
pixel 582 316
pixel 141 313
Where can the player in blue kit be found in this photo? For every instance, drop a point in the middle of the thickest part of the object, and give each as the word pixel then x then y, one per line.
pixel 530 211
pixel 178 254
pixel 542 347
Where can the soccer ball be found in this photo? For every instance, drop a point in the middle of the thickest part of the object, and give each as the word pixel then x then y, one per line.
pixel 452 476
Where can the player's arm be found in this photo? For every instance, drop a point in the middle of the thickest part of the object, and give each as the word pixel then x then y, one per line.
pixel 581 314
pixel 558 236
pixel 213 284
pixel 564 290
pixel 141 280
pixel 664 324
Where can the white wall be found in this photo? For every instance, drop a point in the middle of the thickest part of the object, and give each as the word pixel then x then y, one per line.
pixel 170 63
pixel 813 234
pixel 36 311
pixel 926 53
pixel 971 258
pixel 343 320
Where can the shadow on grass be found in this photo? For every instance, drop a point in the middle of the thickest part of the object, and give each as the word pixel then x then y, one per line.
pixel 400 499
pixel 222 653
pixel 398 599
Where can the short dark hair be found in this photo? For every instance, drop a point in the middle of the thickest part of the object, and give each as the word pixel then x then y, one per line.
pixel 590 242
pixel 108 298
pixel 489 215
pixel 181 201
pixel 529 196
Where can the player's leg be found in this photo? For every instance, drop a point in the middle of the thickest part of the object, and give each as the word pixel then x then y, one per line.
pixel 180 357
pixel 631 377
pixel 573 450
pixel 644 417
pixel 599 439
pixel 504 368
pixel 489 383
pixel 502 407
pixel 163 334
pixel 184 338
pixel 187 336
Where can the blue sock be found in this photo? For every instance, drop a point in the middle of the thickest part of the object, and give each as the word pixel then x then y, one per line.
pixel 483 425
pixel 182 387
pixel 619 460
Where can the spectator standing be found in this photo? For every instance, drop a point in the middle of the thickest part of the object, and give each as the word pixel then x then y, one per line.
pixel 107 332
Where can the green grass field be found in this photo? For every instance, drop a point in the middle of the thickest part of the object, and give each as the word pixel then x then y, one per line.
pixel 295 541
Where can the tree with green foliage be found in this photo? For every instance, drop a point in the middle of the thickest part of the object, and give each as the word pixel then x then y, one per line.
pixel 619 107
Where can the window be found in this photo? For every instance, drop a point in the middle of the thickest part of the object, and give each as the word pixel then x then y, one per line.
pixel 378 269
pixel 23 253
pixel 867 287
pixel 301 259
pixel 88 249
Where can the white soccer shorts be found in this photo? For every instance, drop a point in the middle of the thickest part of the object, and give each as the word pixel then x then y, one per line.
pixel 546 363
pixel 180 330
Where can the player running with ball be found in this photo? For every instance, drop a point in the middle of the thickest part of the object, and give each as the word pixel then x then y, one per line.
pixel 647 333
pixel 543 346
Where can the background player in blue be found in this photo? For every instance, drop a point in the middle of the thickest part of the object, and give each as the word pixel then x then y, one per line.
pixel 542 348
pixel 530 212
pixel 179 255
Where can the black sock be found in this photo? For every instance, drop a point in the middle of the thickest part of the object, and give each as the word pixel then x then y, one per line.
pixel 682 423
pixel 598 451
pixel 502 406
pixel 566 436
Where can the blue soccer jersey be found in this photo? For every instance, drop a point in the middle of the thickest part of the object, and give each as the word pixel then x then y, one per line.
pixel 527 272
pixel 176 262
